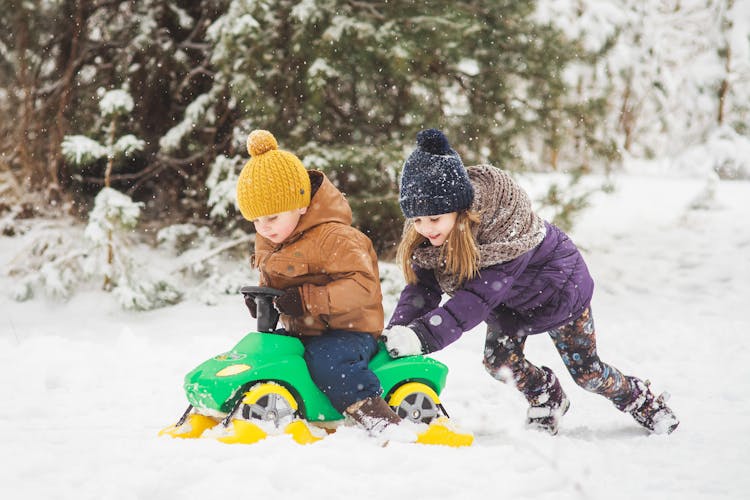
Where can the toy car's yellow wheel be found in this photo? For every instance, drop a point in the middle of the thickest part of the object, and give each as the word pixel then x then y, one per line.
pixel 268 402
pixel 416 402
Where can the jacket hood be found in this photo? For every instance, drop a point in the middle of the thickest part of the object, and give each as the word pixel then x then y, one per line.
pixel 326 205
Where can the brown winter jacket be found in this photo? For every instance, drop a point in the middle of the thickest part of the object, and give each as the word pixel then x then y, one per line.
pixel 333 264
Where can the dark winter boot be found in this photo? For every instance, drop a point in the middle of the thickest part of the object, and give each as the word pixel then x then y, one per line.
pixel 547 408
pixel 649 411
pixel 373 414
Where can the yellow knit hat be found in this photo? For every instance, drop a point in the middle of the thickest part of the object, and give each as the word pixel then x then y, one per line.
pixel 272 181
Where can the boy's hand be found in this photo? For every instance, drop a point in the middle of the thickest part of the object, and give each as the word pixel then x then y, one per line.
pixel 401 341
pixel 290 303
pixel 250 303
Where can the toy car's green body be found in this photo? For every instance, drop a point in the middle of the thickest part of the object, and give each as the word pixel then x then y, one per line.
pixel 216 385
pixel 264 380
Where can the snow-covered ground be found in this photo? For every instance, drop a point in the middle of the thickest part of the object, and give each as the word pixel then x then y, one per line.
pixel 86 386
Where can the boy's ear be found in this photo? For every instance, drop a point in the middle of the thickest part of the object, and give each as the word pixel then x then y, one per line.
pixel 303 210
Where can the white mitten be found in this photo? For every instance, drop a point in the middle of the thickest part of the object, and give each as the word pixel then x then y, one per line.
pixel 401 341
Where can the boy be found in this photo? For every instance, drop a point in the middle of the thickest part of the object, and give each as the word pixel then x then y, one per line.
pixel 328 270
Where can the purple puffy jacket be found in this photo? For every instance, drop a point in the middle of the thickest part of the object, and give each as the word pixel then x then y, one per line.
pixel 542 289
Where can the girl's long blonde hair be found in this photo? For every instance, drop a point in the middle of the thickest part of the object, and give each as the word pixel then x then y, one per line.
pixel 459 252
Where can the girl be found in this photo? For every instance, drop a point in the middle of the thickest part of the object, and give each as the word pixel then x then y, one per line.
pixel 471 233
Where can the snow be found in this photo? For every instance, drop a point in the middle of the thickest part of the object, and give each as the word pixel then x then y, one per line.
pixel 725 151
pixel 305 11
pixel 116 102
pixel 87 386
pixel 194 112
pixel 320 71
pixel 80 149
pixel 111 208
pixel 128 144
pixel 222 185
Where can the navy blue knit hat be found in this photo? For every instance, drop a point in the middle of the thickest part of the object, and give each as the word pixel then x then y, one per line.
pixel 434 180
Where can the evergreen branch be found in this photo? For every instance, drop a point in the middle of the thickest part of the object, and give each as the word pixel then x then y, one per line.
pixel 216 251
pixel 369 7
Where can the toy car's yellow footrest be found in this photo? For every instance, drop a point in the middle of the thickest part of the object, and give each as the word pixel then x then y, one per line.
pixel 243 432
pixel 192 428
pixel 442 432
pixel 301 432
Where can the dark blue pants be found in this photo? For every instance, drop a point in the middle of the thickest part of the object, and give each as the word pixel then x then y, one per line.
pixel 338 363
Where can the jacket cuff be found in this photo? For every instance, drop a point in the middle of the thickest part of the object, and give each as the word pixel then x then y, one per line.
pixel 423 334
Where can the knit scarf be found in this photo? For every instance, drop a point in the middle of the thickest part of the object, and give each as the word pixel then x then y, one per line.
pixel 508 226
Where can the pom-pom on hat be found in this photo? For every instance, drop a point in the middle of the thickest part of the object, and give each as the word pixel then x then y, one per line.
pixel 272 181
pixel 434 180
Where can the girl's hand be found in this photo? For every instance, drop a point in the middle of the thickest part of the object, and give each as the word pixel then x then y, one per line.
pixel 401 341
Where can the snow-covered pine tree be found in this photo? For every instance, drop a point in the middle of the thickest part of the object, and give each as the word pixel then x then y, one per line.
pixel 135 284
pixel 346 85
pixel 733 114
pixel 53 57
pixel 673 71
pixel 80 151
pixel 29 37
pixel 63 262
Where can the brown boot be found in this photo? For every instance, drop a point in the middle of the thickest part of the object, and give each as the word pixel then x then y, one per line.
pixel 373 414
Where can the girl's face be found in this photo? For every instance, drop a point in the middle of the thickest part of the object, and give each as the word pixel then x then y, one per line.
pixel 278 227
pixel 435 228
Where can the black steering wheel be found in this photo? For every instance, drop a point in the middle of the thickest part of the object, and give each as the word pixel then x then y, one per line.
pixel 263 296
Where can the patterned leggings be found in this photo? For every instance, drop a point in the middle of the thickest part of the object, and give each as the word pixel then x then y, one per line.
pixel 576 343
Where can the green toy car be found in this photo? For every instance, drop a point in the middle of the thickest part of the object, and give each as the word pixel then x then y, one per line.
pixel 263 384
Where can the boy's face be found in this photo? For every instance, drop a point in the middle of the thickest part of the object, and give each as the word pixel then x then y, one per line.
pixel 278 227
pixel 436 228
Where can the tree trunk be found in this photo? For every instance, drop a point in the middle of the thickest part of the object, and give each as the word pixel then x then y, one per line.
pixel 32 174
pixel 627 117
pixel 553 157
pixel 107 182
pixel 580 135
pixel 60 128
pixel 724 87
